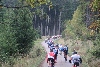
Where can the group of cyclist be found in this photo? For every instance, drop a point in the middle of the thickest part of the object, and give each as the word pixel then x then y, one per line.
pixel 75 59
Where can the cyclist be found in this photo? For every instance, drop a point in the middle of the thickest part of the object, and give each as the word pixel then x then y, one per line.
pixel 75 59
pixel 50 58
pixel 52 46
pixel 65 50
pixel 49 43
pixel 60 49
pixel 55 50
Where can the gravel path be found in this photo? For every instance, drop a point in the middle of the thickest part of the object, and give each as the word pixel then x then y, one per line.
pixel 60 61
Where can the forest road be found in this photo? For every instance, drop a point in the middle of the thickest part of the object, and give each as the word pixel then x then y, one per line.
pixel 60 59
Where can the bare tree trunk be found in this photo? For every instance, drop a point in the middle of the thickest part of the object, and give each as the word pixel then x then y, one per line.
pixel 54 30
pixel 48 25
pixel 41 29
pixel 35 22
pixel 60 22
pixel 47 31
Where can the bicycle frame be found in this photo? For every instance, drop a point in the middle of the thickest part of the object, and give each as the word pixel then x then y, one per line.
pixel 52 64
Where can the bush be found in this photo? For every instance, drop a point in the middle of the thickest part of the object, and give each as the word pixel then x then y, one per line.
pixel 96 49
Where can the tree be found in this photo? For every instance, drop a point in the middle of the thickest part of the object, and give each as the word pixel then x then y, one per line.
pixel 75 28
pixel 35 3
pixel 7 39
pixel 22 25
pixel 17 34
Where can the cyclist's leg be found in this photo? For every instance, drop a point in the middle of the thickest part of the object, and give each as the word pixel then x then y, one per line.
pixel 52 62
pixel 60 51
pixel 72 64
pixel 55 56
pixel 66 56
pixel 49 61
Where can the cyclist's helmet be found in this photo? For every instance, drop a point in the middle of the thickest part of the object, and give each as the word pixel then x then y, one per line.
pixel 75 52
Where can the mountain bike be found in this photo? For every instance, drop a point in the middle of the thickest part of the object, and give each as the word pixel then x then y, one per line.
pixel 52 64
pixel 76 64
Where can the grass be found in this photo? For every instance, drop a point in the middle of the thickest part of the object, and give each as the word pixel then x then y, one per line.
pixel 34 59
pixel 82 47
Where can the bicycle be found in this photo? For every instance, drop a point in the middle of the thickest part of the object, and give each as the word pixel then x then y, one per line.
pixel 51 63
pixel 76 64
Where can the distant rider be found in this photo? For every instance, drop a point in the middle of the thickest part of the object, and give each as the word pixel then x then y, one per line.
pixel 60 49
pixel 55 50
pixel 65 50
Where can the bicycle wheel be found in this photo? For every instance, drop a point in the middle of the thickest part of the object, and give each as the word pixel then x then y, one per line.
pixel 52 64
pixel 75 66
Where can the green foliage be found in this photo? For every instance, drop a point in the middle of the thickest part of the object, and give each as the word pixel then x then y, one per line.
pixel 69 30
pixel 96 49
pixel 75 27
pixel 67 7
pixel 24 32
pixel 16 33
pixel 7 42
pixel 35 3
pixel 96 4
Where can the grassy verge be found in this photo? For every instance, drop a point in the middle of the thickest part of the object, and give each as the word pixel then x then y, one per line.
pixel 34 59
pixel 82 47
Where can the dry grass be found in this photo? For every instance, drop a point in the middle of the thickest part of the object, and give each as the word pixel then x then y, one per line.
pixel 34 58
pixel 82 48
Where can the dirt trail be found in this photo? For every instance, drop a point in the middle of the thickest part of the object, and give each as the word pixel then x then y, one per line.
pixel 60 61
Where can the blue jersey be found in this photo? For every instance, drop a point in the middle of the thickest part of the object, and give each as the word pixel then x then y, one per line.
pixel 55 51
pixel 65 50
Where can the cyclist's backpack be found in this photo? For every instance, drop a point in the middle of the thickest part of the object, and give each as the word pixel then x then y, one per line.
pixel 65 49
